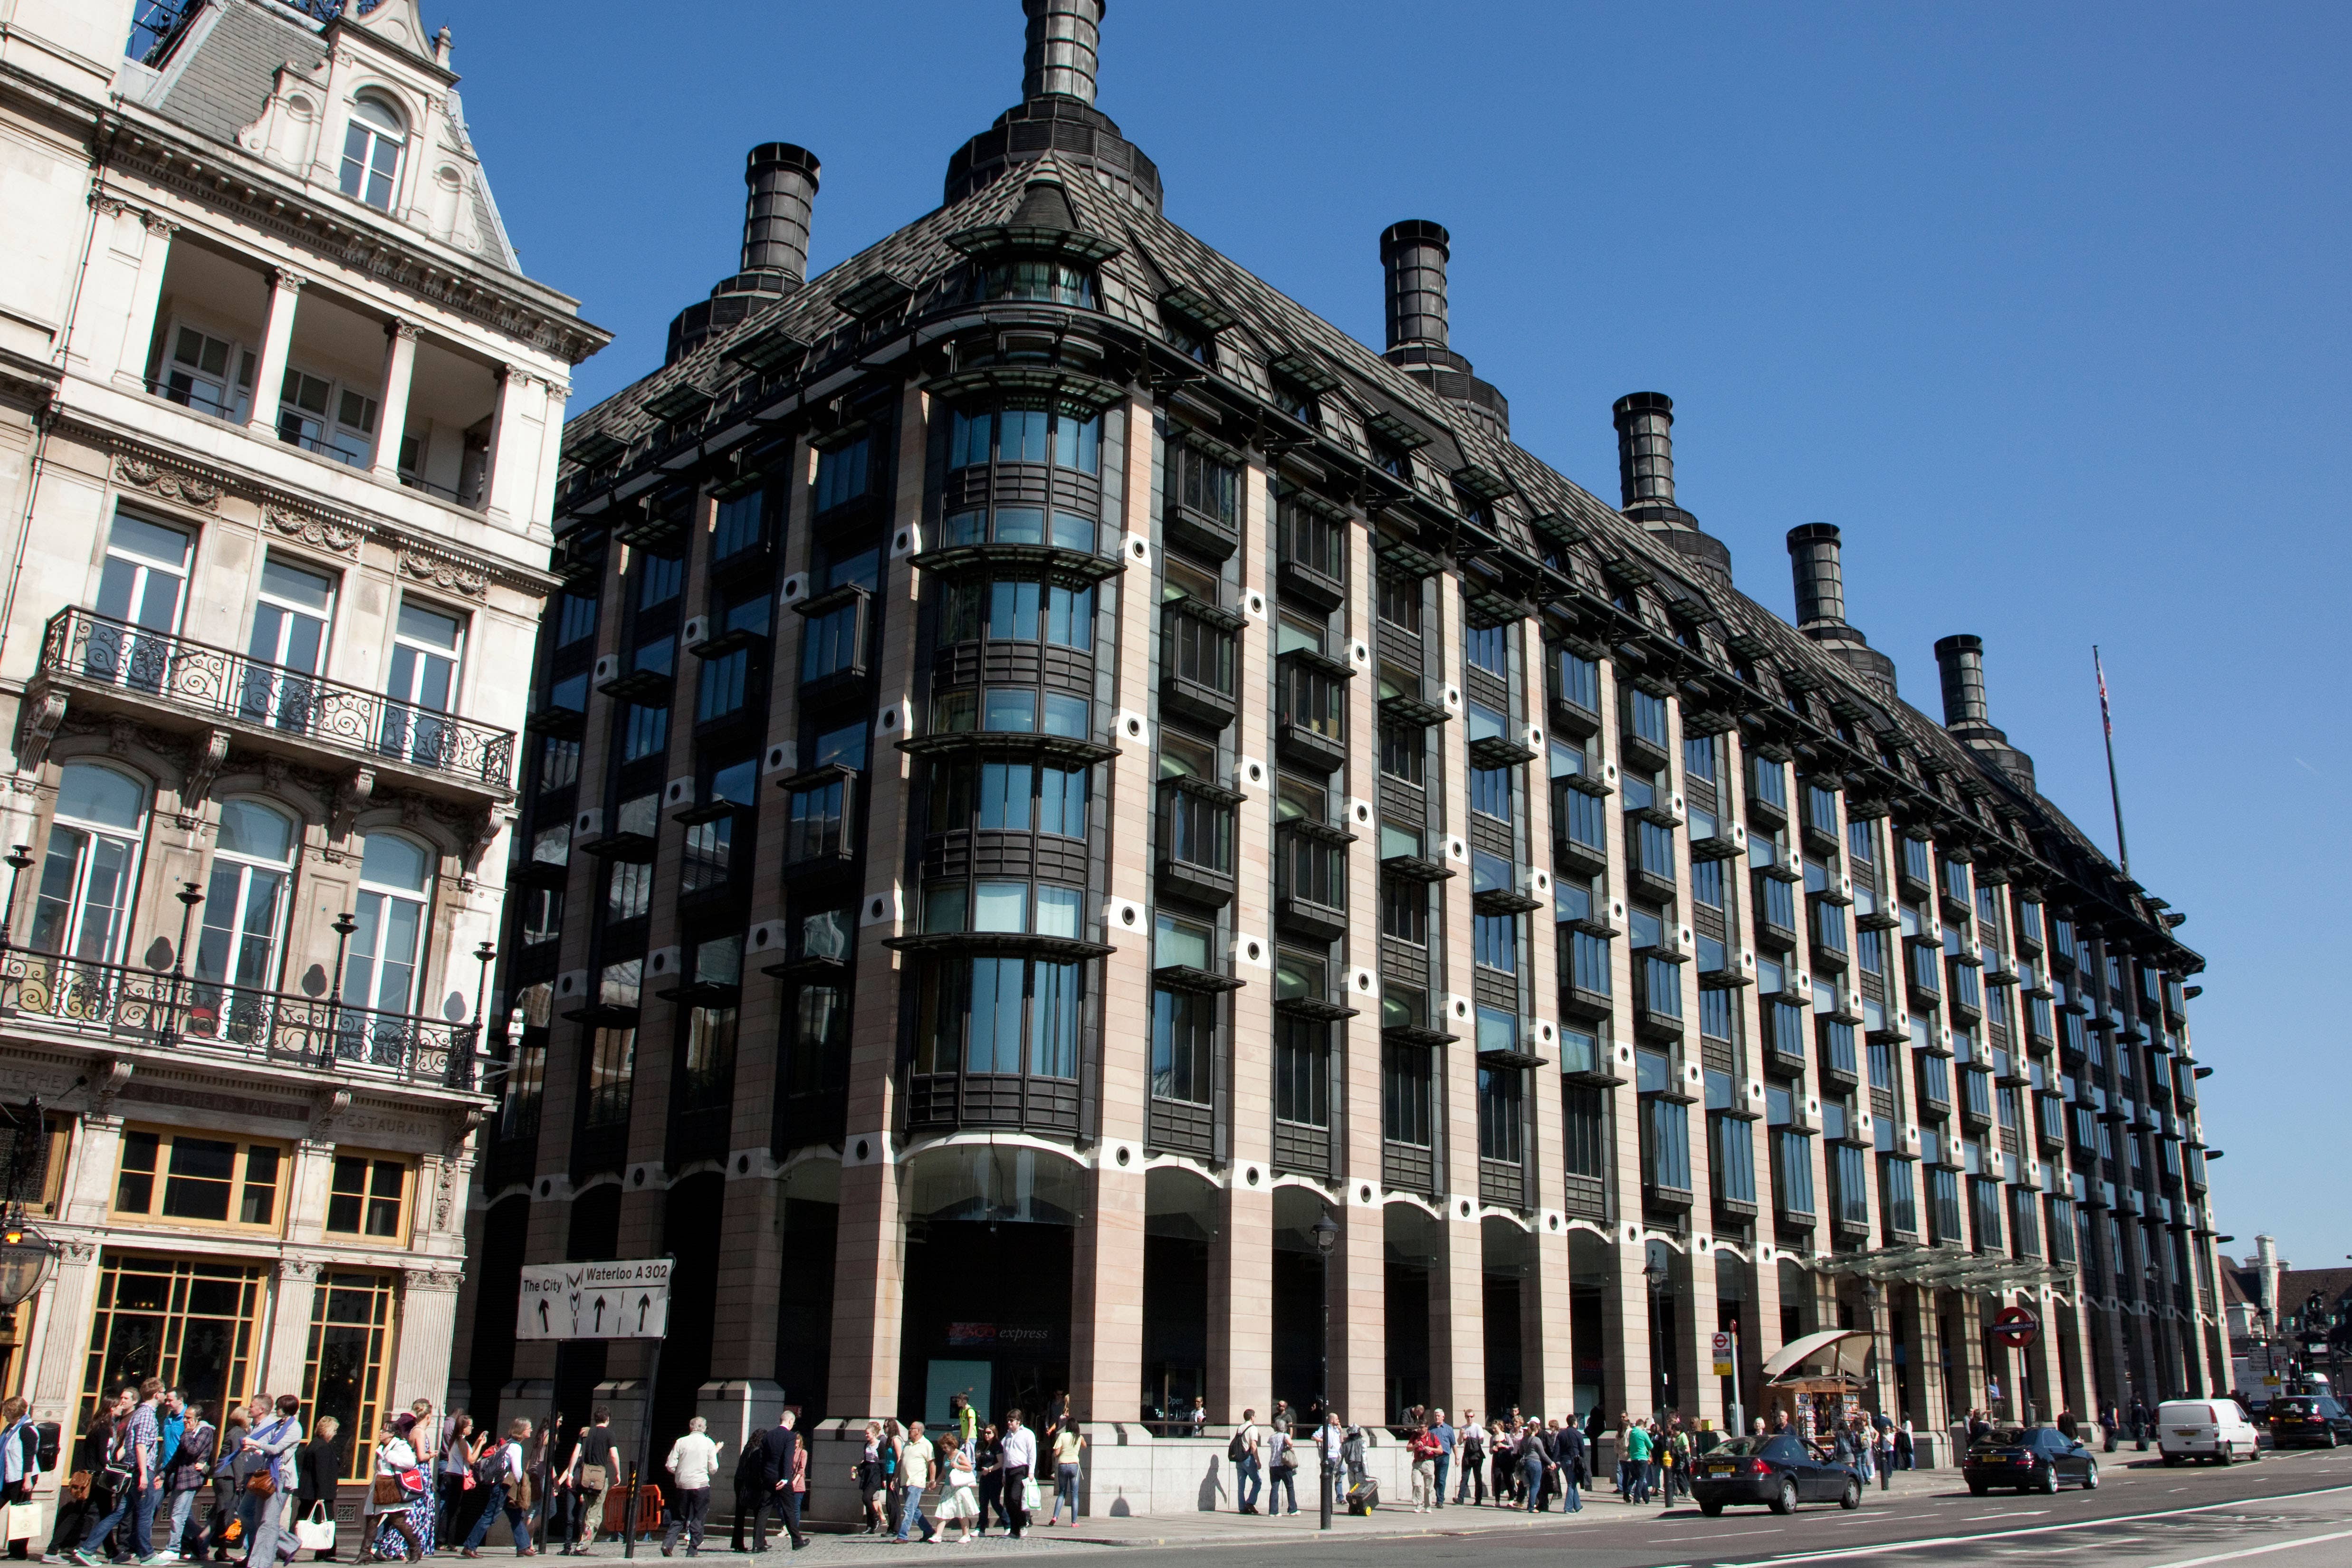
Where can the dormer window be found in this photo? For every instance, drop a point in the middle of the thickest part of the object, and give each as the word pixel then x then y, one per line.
pixel 372 149
pixel 1043 278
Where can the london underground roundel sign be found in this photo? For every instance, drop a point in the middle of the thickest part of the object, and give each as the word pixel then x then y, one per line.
pixel 2017 1327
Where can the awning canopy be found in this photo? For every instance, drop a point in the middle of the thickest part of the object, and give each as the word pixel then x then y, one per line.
pixel 1947 1268
pixel 1842 1352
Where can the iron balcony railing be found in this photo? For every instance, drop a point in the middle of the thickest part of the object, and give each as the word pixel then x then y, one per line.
pixel 173 1012
pixel 180 672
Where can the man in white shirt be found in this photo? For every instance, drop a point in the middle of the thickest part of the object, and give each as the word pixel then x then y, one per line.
pixel 1334 1438
pixel 1016 1461
pixel 1245 1463
pixel 915 1474
pixel 693 1459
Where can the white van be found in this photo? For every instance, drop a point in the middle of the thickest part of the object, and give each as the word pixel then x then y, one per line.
pixel 2215 1429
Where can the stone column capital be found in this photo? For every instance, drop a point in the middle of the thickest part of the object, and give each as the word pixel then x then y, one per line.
pixel 159 226
pixel 404 330
pixel 286 281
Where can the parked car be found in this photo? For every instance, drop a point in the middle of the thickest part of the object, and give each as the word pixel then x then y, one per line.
pixel 1778 1471
pixel 2306 1420
pixel 2215 1429
pixel 2031 1459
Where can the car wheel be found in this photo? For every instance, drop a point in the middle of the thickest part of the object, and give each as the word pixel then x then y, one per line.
pixel 2221 1455
pixel 1978 1488
pixel 1712 1510
pixel 2331 1439
pixel 2050 1481
pixel 2091 1478
pixel 2254 1452
pixel 1851 1497
pixel 2173 1460
pixel 1785 1500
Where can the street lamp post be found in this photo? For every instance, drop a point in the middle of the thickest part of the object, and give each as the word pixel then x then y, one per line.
pixel 1327 1236
pixel 343 925
pixel 1655 1273
pixel 18 860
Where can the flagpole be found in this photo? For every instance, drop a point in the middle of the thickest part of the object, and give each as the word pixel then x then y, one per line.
pixel 2115 791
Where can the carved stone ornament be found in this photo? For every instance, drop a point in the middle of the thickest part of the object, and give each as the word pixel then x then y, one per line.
pixel 38 728
pixel 318 532
pixel 352 797
pixel 77 1248
pixel 159 480
pixel 205 767
pixel 449 1279
pixel 449 575
pixel 297 1269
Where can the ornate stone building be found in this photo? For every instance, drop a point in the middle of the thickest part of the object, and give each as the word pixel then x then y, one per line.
pixel 279 414
pixel 1061 783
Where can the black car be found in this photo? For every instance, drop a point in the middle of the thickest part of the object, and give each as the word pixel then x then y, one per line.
pixel 2031 1459
pixel 1778 1471
pixel 2299 1420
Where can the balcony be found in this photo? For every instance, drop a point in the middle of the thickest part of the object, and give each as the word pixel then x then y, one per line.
pixel 182 684
pixel 119 1005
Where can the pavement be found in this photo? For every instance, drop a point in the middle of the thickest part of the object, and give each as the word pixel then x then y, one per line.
pixel 2291 1510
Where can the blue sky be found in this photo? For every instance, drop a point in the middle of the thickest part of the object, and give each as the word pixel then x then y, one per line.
pixel 2043 306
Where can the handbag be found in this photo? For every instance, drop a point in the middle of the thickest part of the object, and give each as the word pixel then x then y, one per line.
pixel 259 1484
pixel 24 1521
pixel 387 1492
pixel 317 1532
pixel 592 1479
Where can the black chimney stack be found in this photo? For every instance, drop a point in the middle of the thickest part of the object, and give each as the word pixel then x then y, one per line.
pixel 1064 44
pixel 1816 562
pixel 781 181
pixel 1646 479
pixel 1959 659
pixel 1414 255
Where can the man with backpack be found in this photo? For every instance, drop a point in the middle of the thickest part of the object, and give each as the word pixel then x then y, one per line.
pixel 1243 1452
pixel 500 1468
pixel 597 1463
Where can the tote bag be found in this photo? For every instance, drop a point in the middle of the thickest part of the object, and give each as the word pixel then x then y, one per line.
pixel 317 1532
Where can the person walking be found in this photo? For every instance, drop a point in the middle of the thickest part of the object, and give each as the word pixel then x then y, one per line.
pixel 1568 1452
pixel 1470 1461
pixel 502 1471
pixel 988 1465
pixel 784 1471
pixel 221 1522
pixel 915 1456
pixel 753 1495
pixel 959 1488
pixel 693 1460
pixel 871 1489
pixel 453 1475
pixel 318 1476
pixel 186 1477
pixel 1443 1430
pixel 1334 1439
pixel 130 1471
pixel 401 1515
pixel 599 1459
pixel 269 1450
pixel 20 1468
pixel 1638 1449
pixel 1069 1443
pixel 1531 1460
pixel 1248 1475
pixel 1019 1458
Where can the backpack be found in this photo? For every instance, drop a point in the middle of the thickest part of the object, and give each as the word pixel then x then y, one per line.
pixel 491 1468
pixel 1237 1449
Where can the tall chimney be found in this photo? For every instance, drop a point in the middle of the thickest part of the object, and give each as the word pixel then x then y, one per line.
pixel 1414 253
pixel 1063 37
pixel 782 180
pixel 1820 577
pixel 1961 660
pixel 1645 448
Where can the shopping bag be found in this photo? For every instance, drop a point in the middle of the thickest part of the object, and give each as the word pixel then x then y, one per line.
pixel 317 1532
pixel 24 1521
pixel 1031 1499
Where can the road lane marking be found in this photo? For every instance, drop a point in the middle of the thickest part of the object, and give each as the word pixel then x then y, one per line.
pixel 1919 1542
pixel 2255 1550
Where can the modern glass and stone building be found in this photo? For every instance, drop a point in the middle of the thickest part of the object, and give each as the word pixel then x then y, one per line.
pixel 1074 813
pixel 278 420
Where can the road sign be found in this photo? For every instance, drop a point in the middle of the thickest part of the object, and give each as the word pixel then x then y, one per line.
pixel 624 1300
pixel 1724 1353
pixel 2016 1327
